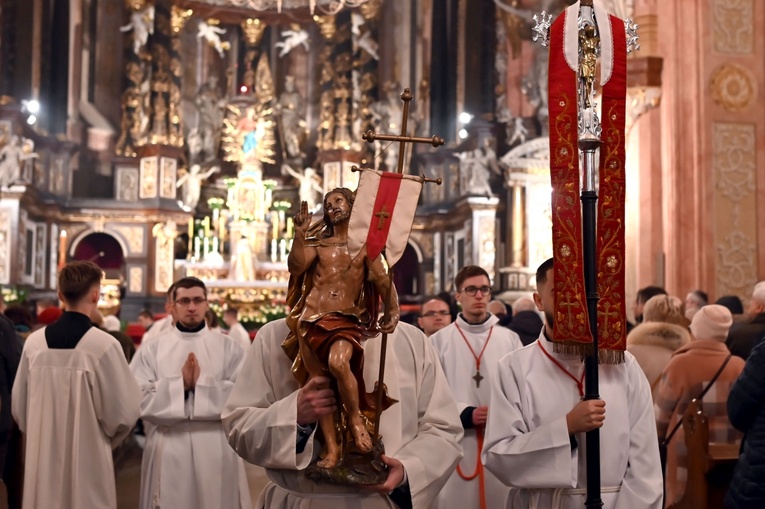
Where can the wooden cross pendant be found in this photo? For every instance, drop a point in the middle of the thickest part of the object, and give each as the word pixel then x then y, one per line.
pixel 477 378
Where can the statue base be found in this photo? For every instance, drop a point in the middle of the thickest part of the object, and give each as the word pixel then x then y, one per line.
pixel 356 468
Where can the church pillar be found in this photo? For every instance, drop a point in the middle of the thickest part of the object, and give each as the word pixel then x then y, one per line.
pixel 715 67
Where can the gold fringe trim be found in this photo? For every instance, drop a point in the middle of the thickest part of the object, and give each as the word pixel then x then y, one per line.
pixel 584 350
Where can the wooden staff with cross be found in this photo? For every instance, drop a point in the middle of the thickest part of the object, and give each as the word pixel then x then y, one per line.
pixel 382 216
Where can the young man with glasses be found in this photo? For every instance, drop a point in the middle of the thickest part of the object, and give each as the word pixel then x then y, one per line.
pixel 186 378
pixel 434 316
pixel 469 350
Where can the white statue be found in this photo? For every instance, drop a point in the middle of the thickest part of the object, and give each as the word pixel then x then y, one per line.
pixel 475 166
pixel 243 261
pixel 212 109
pixel 386 116
pixel 212 34
pixel 291 107
pixel 12 158
pixel 364 41
pixel 293 38
pixel 192 184
pixel 310 189
pixel 142 25
pixel 519 132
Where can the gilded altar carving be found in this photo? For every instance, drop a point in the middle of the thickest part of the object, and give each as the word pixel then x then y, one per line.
pixel 134 236
pixel 733 26
pixel 135 280
pixel 253 30
pixel 148 177
pixel 178 18
pixel 164 254
pixel 733 87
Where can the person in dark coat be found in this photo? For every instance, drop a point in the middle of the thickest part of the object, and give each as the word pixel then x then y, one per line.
pixel 746 411
pixel 741 339
pixel 526 321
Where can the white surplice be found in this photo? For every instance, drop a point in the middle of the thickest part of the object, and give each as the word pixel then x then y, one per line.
pixel 74 406
pixel 187 462
pixel 460 367
pixel 422 430
pixel 527 443
pixel 238 333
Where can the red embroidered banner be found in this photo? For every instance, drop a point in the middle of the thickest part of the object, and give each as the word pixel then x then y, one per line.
pixel 385 203
pixel 571 326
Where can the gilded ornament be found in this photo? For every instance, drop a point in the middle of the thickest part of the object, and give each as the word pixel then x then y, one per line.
pixel 370 9
pixel 178 18
pixel 253 30
pixel 733 87
pixel 327 26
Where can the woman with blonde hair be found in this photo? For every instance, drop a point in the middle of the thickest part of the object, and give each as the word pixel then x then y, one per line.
pixel 664 330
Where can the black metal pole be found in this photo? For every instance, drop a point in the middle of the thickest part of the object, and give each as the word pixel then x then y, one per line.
pixel 591 385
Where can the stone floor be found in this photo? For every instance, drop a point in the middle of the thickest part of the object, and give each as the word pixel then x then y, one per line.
pixel 128 473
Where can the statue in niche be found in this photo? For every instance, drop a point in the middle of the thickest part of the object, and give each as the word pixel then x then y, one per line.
pixel 212 108
pixel 386 118
pixel 291 108
pixel 13 157
pixel 333 301
pixel 211 34
pixel 475 167
pixel 244 264
pixel 191 184
pixel 309 188
pixel 292 39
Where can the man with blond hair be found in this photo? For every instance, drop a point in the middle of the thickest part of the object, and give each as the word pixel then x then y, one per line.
pixel 75 399
pixel 742 339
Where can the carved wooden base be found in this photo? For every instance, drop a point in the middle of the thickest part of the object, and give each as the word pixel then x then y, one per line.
pixel 354 469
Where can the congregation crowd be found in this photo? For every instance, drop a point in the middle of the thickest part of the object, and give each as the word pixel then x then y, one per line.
pixel 489 413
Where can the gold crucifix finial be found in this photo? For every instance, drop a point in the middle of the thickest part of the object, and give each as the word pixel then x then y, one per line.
pixel 370 136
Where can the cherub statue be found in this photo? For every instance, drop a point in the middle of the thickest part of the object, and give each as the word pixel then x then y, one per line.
pixel 142 25
pixel 212 34
pixel 333 311
pixel 309 188
pixel 191 184
pixel 293 38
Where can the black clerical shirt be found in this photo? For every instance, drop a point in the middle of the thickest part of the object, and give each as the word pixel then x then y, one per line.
pixel 67 331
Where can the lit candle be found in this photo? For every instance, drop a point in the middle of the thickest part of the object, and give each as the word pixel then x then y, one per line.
pixel 196 248
pixel 206 248
pixel 273 250
pixel 283 250
pixel 215 245
pixel 207 226
pixel 275 225
pixel 290 232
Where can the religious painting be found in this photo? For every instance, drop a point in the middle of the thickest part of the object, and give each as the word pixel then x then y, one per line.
pixel 168 172
pixel 149 175
pixel 38 271
pixel 126 183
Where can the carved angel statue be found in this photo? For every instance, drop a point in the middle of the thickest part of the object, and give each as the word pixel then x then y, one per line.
pixel 212 34
pixel 309 189
pixel 191 184
pixel 475 167
pixel 12 158
pixel 142 25
pixel 293 38
pixel 365 40
pixel 519 132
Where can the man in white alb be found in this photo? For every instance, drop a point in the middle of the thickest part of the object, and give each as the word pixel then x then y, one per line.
pixel 469 350
pixel 236 330
pixel 165 324
pixel 271 422
pixel 535 435
pixel 185 378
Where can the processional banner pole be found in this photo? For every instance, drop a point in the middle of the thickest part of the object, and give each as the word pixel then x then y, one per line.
pixel 392 201
pixel 588 242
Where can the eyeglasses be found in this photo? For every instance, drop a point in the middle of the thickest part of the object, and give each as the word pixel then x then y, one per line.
pixel 431 314
pixel 185 301
pixel 472 290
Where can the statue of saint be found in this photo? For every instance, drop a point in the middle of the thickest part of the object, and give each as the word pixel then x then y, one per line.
pixel 291 107
pixel 251 131
pixel 475 167
pixel 333 300
pixel 309 188
pixel 191 184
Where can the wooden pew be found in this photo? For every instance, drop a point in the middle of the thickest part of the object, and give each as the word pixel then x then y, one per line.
pixel 704 459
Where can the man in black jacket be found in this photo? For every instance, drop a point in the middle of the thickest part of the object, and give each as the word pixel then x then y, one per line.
pixel 742 339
